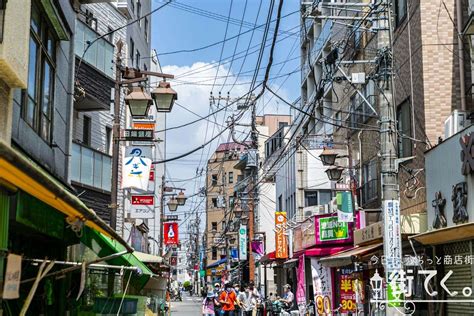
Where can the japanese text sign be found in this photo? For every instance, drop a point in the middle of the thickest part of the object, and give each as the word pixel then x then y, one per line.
pixel 281 242
pixel 11 286
pixel 347 293
pixel 170 232
pixel 330 231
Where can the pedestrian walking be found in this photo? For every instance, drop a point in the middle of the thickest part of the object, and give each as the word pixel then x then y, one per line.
pixel 209 304
pixel 248 302
pixel 228 299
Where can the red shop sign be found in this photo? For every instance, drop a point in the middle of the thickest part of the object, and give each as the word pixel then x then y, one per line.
pixel 170 233
pixel 143 200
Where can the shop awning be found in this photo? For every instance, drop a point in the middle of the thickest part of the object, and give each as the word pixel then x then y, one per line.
pixel 320 251
pixel 446 235
pixel 217 263
pixel 19 172
pixel 269 257
pixel 346 257
pixel 104 246
pixel 290 263
pixel 147 258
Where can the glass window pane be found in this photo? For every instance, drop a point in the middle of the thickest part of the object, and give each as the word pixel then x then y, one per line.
pixel 51 46
pixel 76 163
pixel 35 19
pixel 87 166
pixel 106 173
pixel 45 128
pixel 100 61
pixel 79 39
pixel 32 68
pixel 97 170
pixel 46 97
pixel 324 197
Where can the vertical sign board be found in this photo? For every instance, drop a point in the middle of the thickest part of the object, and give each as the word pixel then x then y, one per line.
pixel 322 286
pixel 281 242
pixel 143 206
pixel 243 242
pixel 170 232
pixel 135 169
pixel 11 285
pixel 392 237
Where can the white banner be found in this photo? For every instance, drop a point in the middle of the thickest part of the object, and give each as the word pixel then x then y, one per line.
pixel 322 286
pixel 392 236
pixel 11 286
pixel 142 212
pixel 136 168
pixel 243 242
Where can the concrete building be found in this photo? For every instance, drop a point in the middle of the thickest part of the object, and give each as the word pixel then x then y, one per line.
pixel 220 181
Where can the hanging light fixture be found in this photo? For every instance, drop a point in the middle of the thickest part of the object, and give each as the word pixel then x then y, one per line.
pixel 173 204
pixel 334 173
pixel 181 198
pixel 328 157
pixel 139 102
pixel 164 97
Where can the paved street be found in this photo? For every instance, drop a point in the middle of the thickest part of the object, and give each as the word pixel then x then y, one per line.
pixel 190 306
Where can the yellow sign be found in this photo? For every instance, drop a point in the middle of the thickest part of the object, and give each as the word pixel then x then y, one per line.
pixel 281 242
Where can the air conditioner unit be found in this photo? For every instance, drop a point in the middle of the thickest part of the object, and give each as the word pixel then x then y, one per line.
pixel 457 121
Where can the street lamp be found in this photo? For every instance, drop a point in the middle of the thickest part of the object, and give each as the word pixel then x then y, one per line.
pixel 334 173
pixel 173 204
pixel 138 101
pixel 181 198
pixel 328 157
pixel 164 97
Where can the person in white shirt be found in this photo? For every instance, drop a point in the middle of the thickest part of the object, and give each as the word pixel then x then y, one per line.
pixel 248 302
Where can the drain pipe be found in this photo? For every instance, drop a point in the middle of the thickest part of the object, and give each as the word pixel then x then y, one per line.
pixel 462 83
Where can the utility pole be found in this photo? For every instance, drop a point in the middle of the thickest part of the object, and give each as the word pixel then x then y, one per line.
pixel 116 138
pixel 388 153
pixel 253 188
pixel 162 214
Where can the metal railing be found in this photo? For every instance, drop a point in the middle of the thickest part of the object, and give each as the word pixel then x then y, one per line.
pixel 100 55
pixel 91 167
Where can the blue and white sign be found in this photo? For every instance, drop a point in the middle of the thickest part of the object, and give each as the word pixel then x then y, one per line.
pixel 243 243
pixel 135 169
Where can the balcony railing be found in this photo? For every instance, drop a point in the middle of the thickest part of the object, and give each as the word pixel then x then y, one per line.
pixel 368 192
pixel 91 167
pixel 100 55
pixel 321 41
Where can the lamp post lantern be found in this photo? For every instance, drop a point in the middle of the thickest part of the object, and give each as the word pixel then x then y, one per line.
pixel 334 173
pixel 164 97
pixel 173 204
pixel 181 198
pixel 328 157
pixel 138 101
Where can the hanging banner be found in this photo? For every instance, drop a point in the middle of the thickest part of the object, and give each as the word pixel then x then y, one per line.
pixel 135 170
pixel 243 243
pixel 281 242
pixel 347 291
pixel 170 232
pixel 322 286
pixel 257 249
pixel 301 286
pixel 344 207
pixel 11 286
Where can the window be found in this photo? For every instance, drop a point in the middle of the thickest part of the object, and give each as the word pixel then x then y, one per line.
pixel 325 197
pixel 108 140
pixel 231 201
pixel 132 50
pixel 223 226
pixel 146 29
pixel 404 129
pixel 231 177
pixel 370 184
pixel 214 202
pixel 282 124
pixel 310 198
pixel 214 253
pixel 214 179
pixel 400 11
pixel 280 203
pixel 137 59
pixel 37 100
pixel 86 130
pixel 214 226
pixel 360 110
pixel 223 252
pixel 139 12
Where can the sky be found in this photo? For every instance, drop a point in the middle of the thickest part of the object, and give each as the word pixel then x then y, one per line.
pixel 190 24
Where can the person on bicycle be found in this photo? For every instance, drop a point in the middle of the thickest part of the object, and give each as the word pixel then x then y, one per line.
pixel 288 297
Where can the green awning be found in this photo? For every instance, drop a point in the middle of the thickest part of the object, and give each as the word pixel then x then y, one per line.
pixel 104 246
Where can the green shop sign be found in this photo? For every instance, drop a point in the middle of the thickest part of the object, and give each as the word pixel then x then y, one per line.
pixel 330 229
